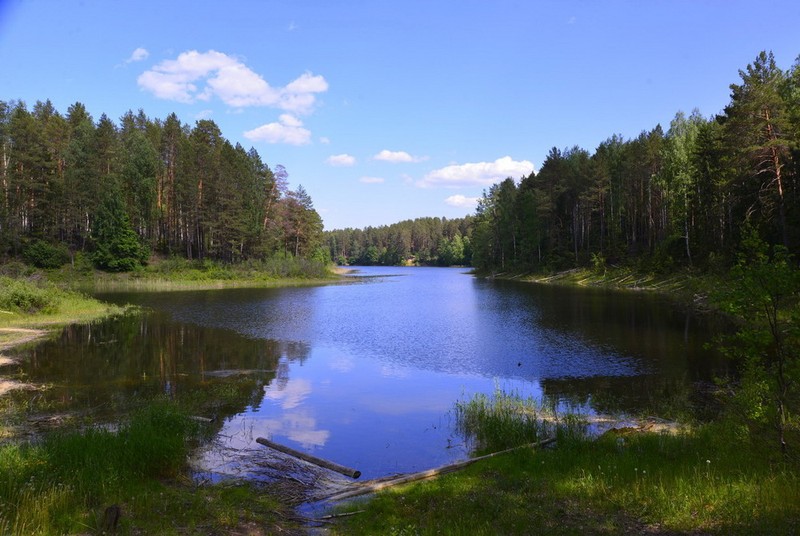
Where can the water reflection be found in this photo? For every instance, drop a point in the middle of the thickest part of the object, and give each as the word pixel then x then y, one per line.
pixel 112 364
pixel 367 374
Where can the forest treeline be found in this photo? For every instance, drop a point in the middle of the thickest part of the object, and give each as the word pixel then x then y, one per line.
pixel 662 200
pixel 680 197
pixel 425 241
pixel 116 192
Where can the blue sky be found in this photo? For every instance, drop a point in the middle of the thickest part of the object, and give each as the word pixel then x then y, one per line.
pixel 391 110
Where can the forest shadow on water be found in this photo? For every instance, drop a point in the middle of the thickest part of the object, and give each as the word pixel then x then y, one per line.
pixel 368 375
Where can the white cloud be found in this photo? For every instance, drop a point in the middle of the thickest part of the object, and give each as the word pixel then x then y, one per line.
pixel 138 55
pixel 477 173
pixel 194 76
pixel 324 140
pixel 396 157
pixel 288 130
pixel 203 114
pixel 371 180
pixel 461 201
pixel 341 160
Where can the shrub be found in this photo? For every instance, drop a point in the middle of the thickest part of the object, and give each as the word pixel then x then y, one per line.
pixel 24 297
pixel 45 255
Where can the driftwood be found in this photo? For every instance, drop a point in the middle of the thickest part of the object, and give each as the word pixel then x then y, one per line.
pixel 372 486
pixel 346 471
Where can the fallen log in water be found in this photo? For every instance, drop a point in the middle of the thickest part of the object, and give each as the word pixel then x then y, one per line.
pixel 372 486
pixel 346 471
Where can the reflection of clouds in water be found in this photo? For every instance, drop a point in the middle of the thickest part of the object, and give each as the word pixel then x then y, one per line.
pixel 421 403
pixel 389 371
pixel 290 394
pixel 342 363
pixel 296 425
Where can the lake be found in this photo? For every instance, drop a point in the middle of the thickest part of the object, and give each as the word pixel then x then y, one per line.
pixel 367 374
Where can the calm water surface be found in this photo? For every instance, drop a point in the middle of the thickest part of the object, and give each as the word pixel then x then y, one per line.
pixel 367 374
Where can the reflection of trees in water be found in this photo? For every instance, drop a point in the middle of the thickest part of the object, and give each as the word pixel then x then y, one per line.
pixel 131 357
pixel 658 395
pixel 289 351
pixel 671 339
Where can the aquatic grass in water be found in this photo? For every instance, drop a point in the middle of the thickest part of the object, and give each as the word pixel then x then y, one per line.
pixel 710 479
pixel 503 421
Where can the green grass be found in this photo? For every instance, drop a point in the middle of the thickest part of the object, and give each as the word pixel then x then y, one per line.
pixel 37 302
pixel 714 479
pixel 62 484
pixel 503 421
pixel 52 486
pixel 179 274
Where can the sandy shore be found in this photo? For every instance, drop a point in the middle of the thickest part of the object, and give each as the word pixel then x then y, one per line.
pixel 9 338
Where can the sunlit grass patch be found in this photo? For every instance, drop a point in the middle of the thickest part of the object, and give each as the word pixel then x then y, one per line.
pixel 25 303
pixel 179 274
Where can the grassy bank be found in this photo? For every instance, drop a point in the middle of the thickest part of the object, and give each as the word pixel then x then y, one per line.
pixel 130 480
pixel 167 274
pixel 30 307
pixel 683 286
pixel 712 479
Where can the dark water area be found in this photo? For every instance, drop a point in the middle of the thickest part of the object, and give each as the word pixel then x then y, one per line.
pixel 367 374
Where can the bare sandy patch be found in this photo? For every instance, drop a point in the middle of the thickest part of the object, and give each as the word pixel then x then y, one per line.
pixel 10 337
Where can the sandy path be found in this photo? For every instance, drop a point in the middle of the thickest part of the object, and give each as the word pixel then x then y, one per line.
pixel 10 337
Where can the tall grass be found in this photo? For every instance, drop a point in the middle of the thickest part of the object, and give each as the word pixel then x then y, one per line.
pixel 277 267
pixel 505 420
pixel 53 486
pixel 712 479
pixel 180 274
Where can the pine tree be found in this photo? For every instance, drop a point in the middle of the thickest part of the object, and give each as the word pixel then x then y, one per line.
pixel 116 244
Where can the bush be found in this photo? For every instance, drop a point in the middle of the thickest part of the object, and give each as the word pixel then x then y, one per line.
pixel 24 297
pixel 44 255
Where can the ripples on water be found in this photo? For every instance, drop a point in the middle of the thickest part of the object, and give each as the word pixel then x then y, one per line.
pixel 367 374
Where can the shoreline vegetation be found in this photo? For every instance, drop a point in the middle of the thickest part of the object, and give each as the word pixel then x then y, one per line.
pixel 131 476
pixel 707 478
pixel 704 480
pixel 708 205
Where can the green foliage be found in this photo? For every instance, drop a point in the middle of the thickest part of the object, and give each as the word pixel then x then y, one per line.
pixel 45 255
pixel 704 481
pixel 20 296
pixel 764 297
pixel 423 241
pixel 48 487
pixel 117 247
pixel 181 190
pixel 660 201
pixel 598 263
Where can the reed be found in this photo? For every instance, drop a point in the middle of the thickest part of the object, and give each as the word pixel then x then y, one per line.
pixel 712 478
pixel 500 421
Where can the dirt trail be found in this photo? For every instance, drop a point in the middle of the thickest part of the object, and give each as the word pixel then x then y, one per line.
pixel 9 338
